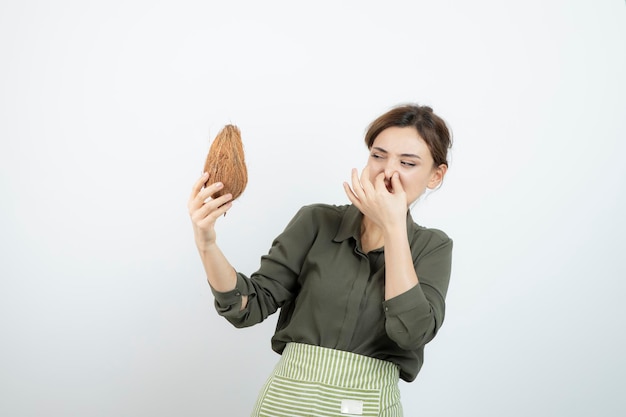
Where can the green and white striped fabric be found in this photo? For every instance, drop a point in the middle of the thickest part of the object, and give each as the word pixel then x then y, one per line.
pixel 312 381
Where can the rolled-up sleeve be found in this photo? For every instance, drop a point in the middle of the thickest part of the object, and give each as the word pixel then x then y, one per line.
pixel 229 303
pixel 414 317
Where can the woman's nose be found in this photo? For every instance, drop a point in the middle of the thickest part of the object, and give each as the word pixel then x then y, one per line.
pixel 389 169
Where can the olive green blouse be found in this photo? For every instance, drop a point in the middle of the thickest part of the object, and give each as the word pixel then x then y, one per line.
pixel 331 294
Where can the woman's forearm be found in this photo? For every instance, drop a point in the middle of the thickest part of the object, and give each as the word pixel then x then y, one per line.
pixel 219 272
pixel 400 273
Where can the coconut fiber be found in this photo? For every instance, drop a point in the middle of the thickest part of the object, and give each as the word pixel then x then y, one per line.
pixel 225 162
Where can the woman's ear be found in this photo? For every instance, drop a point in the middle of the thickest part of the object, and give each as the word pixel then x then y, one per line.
pixel 437 176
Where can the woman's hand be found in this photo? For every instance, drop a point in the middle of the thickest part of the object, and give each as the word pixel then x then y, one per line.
pixel 204 210
pixel 384 207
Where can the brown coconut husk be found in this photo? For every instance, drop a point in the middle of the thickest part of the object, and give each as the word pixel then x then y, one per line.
pixel 225 162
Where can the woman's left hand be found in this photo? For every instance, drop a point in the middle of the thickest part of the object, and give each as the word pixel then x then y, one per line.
pixel 385 208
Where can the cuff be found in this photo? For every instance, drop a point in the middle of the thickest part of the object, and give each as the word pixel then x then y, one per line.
pixel 407 301
pixel 232 297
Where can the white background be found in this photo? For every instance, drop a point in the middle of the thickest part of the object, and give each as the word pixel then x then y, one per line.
pixel 107 110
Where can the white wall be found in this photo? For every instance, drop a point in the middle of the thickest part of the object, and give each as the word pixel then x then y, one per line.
pixel 106 113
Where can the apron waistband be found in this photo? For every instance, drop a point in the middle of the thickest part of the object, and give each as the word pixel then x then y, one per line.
pixel 336 367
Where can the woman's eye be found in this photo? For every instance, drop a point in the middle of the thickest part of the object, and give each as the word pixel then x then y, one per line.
pixel 408 164
pixel 375 155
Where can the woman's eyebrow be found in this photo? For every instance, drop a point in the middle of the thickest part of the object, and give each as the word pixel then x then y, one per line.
pixel 406 155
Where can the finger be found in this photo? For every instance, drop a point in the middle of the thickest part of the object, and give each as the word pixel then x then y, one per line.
pixel 213 204
pixel 214 215
pixel 351 196
pixel 198 185
pixel 195 191
pixel 396 184
pixel 365 180
pixel 379 183
pixel 211 210
pixel 207 193
pixel 357 187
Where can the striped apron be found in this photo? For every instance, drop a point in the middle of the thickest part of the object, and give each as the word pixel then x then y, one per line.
pixel 321 382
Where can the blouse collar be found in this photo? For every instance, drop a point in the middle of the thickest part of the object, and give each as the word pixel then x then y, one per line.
pixel 350 225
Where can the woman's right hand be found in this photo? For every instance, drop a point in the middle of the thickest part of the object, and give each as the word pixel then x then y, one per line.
pixel 204 210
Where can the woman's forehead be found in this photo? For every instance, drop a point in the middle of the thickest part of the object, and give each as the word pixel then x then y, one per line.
pixel 401 140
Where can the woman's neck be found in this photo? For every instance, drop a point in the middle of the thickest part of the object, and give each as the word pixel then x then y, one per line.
pixel 371 235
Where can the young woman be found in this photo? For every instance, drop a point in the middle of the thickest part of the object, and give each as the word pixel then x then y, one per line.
pixel 361 287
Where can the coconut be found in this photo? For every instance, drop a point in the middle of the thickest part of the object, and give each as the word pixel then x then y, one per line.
pixel 225 162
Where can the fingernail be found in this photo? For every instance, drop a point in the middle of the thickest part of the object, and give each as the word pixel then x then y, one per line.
pixel 219 184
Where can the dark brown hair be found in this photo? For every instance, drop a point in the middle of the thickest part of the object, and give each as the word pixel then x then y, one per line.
pixel 429 126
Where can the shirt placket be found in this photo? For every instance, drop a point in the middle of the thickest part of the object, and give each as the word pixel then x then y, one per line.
pixel 356 294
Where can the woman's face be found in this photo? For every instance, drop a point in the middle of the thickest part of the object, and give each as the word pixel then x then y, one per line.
pixel 402 150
